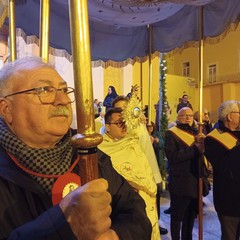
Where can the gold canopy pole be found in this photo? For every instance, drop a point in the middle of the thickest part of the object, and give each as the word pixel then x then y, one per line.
pixel 12 30
pixel 44 29
pixel 200 182
pixel 141 80
pixel 86 140
pixel 150 74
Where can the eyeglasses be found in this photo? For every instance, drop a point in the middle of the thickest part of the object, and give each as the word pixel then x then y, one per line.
pixel 120 124
pixel 186 115
pixel 47 94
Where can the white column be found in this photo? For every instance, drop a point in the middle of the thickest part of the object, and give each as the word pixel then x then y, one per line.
pixel 127 78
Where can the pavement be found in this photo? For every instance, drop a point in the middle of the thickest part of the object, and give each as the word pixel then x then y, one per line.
pixel 211 225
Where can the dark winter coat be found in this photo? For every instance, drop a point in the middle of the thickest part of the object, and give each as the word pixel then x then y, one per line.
pixel 182 163
pixel 108 101
pixel 26 211
pixel 183 104
pixel 226 173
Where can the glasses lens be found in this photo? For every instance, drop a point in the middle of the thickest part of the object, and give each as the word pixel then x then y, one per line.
pixel 187 115
pixel 121 124
pixel 71 95
pixel 47 94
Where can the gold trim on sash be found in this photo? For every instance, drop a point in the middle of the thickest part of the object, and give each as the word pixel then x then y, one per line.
pixel 184 136
pixel 225 138
pixel 187 138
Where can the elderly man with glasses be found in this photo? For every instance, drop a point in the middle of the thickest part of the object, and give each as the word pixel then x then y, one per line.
pixel 37 158
pixel 223 151
pixel 183 146
pixel 131 162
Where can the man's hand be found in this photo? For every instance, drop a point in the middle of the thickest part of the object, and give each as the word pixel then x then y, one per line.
pixel 156 140
pixel 134 90
pixel 87 210
pixel 199 138
pixel 199 142
pixel 152 139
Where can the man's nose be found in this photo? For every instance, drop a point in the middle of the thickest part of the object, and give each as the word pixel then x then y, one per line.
pixel 61 98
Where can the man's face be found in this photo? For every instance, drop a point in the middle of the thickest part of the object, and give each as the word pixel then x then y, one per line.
pixel 205 116
pixel 185 116
pixel 116 128
pixel 234 120
pixel 185 99
pixel 38 125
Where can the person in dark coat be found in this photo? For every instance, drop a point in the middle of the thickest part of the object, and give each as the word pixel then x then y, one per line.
pixel 222 149
pixel 41 195
pixel 207 125
pixel 184 103
pixel 183 146
pixel 112 94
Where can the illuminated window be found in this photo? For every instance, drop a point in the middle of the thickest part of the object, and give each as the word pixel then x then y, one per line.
pixel 212 73
pixel 186 69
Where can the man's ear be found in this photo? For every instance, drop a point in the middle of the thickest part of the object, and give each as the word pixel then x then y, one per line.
pixel 229 118
pixel 6 110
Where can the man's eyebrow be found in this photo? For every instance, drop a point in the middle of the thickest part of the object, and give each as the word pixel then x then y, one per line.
pixel 49 82
pixel 45 81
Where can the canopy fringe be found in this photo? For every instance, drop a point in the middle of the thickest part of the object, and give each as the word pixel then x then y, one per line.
pixel 208 40
pixel 35 40
pixel 230 28
pixel 63 53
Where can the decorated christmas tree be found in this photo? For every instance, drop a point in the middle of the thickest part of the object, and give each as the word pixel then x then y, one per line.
pixel 162 111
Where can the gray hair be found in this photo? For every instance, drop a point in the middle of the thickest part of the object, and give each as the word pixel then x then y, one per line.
pixel 15 70
pixel 226 108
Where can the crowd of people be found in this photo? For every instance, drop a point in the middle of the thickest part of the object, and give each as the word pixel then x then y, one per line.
pixel 40 181
pixel 38 164
pixel 219 145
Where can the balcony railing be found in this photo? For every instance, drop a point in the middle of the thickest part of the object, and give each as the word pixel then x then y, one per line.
pixel 230 78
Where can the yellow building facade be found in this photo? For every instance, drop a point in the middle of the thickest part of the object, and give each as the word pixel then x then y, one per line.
pixel 221 70
pixel 221 75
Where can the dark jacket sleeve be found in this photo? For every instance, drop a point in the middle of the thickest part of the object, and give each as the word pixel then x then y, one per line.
pixel 182 166
pixel 207 127
pixel 46 226
pixel 26 215
pixel 27 212
pixel 226 177
pixel 129 219
pixel 176 151
pixel 190 105
pixel 108 101
pixel 225 161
